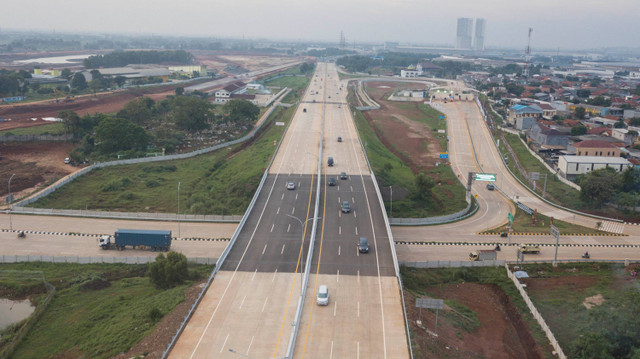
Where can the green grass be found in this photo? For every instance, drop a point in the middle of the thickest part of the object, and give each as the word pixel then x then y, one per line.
pixel 49 129
pixel 393 171
pixel 95 323
pixel 429 116
pixel 522 222
pixel 222 182
pixel 417 282
pixel 561 304
pixel 557 191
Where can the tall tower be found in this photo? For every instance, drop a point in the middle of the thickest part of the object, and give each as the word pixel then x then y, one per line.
pixel 478 41
pixel 343 40
pixel 527 56
pixel 463 35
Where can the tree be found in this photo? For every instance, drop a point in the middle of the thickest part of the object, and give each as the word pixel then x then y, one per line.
pixel 191 113
pixel 95 85
pixel 514 89
pixel 70 121
pixel 620 124
pixel 120 80
pixel 599 186
pixel 79 82
pixel 179 91
pixel 592 346
pixel 65 74
pixel 579 112
pixel 578 130
pixel 599 101
pixel 582 93
pixel 241 111
pixel 167 272
pixel 634 121
pixel 306 67
pixel 35 86
pixel 138 111
pixel 118 134
pixel 424 184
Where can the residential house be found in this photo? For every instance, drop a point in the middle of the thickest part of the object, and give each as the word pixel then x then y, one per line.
pixel 624 135
pixel 571 167
pixel 594 148
pixel 548 111
pixel 518 111
pixel 545 136
pixel 223 95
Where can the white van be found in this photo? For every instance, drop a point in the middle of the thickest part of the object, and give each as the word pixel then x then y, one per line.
pixel 323 295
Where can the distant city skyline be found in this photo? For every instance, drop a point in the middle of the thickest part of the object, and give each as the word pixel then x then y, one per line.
pixel 567 24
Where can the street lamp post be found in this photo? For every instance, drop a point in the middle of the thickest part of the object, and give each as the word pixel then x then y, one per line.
pixel 302 227
pixel 10 200
pixel 179 209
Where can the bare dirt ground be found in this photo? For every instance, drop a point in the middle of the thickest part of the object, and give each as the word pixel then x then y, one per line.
pixel 408 139
pixel 153 345
pixel 35 165
pixel 502 333
pixel 219 61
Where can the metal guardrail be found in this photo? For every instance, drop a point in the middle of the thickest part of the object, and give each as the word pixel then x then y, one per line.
pixel 5 258
pixel 226 251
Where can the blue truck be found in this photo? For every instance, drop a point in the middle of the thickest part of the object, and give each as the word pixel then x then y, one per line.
pixel 137 238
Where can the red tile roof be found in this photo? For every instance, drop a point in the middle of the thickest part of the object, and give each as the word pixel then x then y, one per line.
pixel 594 144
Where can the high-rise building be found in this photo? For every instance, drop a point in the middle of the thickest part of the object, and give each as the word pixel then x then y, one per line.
pixel 463 35
pixel 478 40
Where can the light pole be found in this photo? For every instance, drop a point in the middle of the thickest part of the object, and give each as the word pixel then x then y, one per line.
pixel 10 200
pixel 391 209
pixel 302 227
pixel 178 209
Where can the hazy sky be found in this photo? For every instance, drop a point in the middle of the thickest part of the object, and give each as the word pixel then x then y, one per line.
pixel 567 24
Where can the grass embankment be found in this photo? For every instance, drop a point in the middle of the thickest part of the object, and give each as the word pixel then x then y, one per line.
pixel 559 294
pixel 49 129
pixel 448 194
pixel 417 281
pixel 98 311
pixel 222 182
pixel 298 84
pixel 430 117
pixel 557 191
pixel 523 223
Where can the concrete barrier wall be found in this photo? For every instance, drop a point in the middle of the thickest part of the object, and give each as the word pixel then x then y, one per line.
pixel 453 264
pixel 28 138
pixel 536 315
pixel 89 260
pixel 128 215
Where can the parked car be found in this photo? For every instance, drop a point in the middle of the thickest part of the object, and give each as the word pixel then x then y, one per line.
pixel 363 245
pixel 291 185
pixel 346 208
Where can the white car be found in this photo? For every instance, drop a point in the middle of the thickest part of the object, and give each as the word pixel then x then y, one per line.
pixel 323 295
pixel 291 185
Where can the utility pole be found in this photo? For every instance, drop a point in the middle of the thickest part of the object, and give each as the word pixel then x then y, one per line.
pixel 179 209
pixel 10 200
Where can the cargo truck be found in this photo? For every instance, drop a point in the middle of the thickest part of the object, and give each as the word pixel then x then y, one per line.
pixel 483 255
pixel 530 248
pixel 147 239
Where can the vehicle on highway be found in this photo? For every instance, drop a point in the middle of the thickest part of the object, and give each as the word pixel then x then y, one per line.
pixel 343 175
pixel 21 234
pixel 346 208
pixel 363 245
pixel 155 240
pixel 329 96
pixel 304 110
pixel 330 161
pixel 529 248
pixel 291 185
pixel 332 181
pixel 339 139
pixel 323 295
pixel 490 186
pixel 483 255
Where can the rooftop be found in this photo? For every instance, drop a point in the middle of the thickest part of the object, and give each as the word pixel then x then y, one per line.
pixel 596 159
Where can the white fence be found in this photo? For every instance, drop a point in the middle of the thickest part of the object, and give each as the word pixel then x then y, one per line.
pixel 88 260
pixel 536 314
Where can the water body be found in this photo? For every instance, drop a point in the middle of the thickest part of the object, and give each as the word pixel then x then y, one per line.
pixel 73 59
pixel 13 311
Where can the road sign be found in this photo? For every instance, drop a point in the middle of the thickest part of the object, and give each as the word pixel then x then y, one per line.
pixel 554 231
pixel 444 154
pixel 489 177
pixel 429 303
pixel 279 123
pixel 510 217
pixel 535 176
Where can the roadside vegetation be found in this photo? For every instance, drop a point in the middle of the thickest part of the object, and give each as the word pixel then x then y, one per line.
pixel 430 192
pixel 419 282
pixel 296 78
pixel 221 182
pixel 98 310
pixel 592 308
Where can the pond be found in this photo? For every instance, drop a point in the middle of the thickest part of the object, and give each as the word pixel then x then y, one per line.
pixel 13 311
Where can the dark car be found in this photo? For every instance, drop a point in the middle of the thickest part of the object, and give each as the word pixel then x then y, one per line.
pixel 346 208
pixel 343 175
pixel 339 139
pixel 332 181
pixel 363 245
pixel 490 186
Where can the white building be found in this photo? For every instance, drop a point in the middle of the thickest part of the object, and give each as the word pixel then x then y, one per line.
pixel 464 33
pixel 478 41
pixel 410 73
pixel 571 167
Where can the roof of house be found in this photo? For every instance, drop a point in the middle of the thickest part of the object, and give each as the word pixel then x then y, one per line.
pixel 429 66
pixel 526 109
pixel 596 159
pixel 594 144
pixel 545 106
pixel 235 86
pixel 551 131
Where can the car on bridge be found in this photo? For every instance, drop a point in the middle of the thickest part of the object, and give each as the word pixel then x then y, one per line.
pixel 291 185
pixel 343 175
pixel 346 208
pixel 332 181
pixel 363 245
